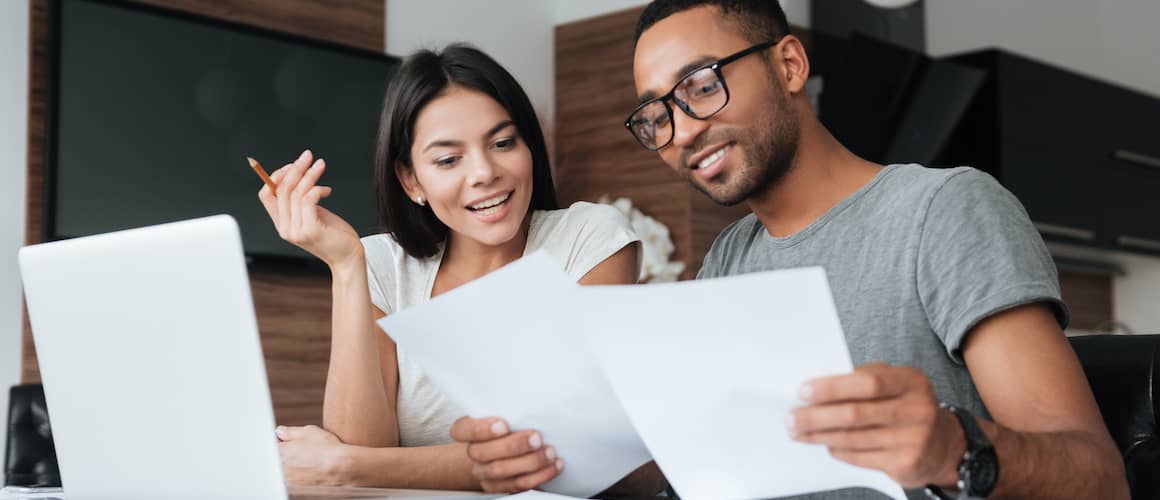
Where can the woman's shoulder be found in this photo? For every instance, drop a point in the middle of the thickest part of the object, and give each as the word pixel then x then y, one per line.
pixel 383 251
pixel 396 279
pixel 382 245
pixel 581 214
pixel 580 236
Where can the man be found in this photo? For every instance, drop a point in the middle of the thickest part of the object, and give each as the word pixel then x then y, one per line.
pixel 945 291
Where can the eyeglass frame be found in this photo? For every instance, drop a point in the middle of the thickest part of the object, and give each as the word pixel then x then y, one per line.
pixel 670 95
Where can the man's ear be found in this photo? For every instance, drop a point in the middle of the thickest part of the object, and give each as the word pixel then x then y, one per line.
pixel 793 66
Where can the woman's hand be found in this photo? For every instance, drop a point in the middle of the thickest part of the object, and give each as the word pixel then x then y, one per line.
pixel 311 456
pixel 504 461
pixel 300 220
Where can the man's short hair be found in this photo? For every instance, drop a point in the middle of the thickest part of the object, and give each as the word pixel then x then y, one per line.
pixel 757 20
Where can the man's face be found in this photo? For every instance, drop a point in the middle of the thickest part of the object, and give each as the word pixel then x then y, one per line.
pixel 751 142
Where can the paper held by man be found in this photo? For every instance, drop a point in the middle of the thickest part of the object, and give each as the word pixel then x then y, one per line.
pixel 699 376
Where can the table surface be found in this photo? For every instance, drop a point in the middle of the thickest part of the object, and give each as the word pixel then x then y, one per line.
pixel 315 493
pixel 350 492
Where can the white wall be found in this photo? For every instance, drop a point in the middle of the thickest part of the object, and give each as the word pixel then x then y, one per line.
pixel 1134 294
pixel 14 144
pixel 567 11
pixel 798 11
pixel 520 34
pixel 1113 41
pixel 517 33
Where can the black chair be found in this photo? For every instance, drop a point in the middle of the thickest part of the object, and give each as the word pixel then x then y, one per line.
pixel 29 454
pixel 1123 371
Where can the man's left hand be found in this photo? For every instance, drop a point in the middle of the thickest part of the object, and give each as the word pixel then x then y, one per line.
pixel 882 417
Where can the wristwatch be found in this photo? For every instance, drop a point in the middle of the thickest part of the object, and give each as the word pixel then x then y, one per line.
pixel 979 468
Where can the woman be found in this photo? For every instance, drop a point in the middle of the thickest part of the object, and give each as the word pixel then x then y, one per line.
pixel 464 187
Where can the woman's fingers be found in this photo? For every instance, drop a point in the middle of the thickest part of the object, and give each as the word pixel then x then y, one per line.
pixel 269 199
pixel 310 177
pixel 303 216
pixel 511 468
pixel 305 198
pixel 526 481
pixel 269 203
pixel 322 193
pixel 512 445
pixel 506 461
pixel 310 227
pixel 470 430
pixel 296 213
pixel 286 186
pixel 313 197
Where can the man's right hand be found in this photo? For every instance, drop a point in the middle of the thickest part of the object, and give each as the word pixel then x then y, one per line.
pixel 505 461
pixel 299 218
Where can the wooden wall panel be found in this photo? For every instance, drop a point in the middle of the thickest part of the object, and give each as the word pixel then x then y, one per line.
pixel 37 100
pixel 355 23
pixel 294 319
pixel 1088 297
pixel 595 155
pixel 293 309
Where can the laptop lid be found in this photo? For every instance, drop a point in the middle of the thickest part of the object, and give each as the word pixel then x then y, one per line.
pixel 152 368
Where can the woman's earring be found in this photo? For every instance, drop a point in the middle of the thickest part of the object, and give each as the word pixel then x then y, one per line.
pixel 419 200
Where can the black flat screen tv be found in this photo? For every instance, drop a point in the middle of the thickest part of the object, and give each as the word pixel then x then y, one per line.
pixel 152 114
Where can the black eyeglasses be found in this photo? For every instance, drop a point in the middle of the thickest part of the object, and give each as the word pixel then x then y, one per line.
pixel 701 93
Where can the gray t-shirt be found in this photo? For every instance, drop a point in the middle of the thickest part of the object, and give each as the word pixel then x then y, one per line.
pixel 915 259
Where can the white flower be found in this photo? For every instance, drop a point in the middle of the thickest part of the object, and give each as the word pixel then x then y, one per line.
pixel 656 243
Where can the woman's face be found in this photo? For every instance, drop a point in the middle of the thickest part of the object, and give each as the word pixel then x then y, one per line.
pixel 471 166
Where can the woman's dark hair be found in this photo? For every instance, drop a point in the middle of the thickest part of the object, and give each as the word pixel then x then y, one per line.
pixel 422 77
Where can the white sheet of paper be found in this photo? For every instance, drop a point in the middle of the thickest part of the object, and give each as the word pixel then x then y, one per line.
pixel 540 495
pixel 709 370
pixel 509 345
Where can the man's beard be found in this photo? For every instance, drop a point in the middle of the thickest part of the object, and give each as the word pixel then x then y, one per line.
pixel 768 151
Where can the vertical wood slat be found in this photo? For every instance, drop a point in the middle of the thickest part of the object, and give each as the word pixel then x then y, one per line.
pixel 293 310
pixel 1088 297
pixel 37 101
pixel 597 156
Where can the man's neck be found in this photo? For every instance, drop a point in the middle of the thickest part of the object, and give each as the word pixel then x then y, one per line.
pixel 823 174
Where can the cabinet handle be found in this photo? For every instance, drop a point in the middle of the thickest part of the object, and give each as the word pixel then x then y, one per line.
pixel 1138 243
pixel 1137 158
pixel 1065 231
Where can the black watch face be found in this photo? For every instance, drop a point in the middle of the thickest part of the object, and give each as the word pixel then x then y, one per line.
pixel 983 471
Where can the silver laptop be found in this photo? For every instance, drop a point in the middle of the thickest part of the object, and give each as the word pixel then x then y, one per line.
pixel 151 363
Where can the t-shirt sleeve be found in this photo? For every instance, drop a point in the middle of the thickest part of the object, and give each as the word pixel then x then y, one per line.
pixel 590 234
pixel 979 255
pixel 380 270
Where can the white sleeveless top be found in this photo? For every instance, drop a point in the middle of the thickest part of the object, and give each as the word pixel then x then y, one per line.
pixel 578 237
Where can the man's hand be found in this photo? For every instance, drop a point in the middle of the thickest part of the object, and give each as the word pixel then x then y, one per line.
pixel 504 461
pixel 882 417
